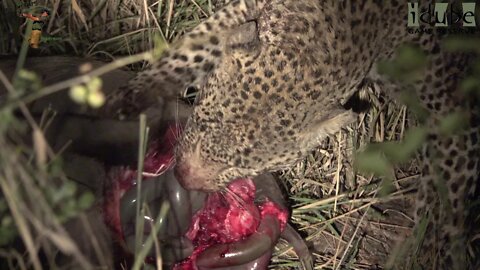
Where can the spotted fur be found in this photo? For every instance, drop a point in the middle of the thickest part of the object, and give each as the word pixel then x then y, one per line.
pixel 273 76
pixel 186 63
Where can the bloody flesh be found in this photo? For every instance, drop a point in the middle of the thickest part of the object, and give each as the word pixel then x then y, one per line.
pixel 226 217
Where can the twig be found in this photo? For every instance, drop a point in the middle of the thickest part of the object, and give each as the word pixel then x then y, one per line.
pixel 82 78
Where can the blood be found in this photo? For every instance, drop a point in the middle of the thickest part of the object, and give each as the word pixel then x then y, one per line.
pixel 227 216
pixel 158 159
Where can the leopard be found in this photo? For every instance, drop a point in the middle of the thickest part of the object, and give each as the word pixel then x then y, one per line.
pixel 273 78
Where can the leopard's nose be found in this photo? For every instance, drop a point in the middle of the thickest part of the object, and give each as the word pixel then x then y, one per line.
pixel 193 174
pixel 186 176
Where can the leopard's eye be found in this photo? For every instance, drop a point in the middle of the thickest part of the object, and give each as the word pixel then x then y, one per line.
pixel 190 94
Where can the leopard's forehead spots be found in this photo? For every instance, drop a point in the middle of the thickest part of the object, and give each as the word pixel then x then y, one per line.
pixel 185 64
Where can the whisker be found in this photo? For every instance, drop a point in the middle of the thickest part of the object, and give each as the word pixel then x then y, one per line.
pixel 177 118
pixel 236 198
pixel 174 129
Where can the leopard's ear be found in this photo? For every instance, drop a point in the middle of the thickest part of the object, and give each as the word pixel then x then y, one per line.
pixel 244 37
pixel 189 60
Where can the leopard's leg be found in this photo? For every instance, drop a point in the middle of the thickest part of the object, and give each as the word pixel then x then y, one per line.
pixel 449 160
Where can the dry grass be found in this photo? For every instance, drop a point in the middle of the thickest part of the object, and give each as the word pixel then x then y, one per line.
pixel 106 28
pixel 341 211
pixel 344 215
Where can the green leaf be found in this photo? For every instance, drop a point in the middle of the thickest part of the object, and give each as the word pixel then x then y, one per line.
pixel 410 57
pixel 55 167
pixel 7 221
pixel 7 235
pixel 69 189
pixel 471 86
pixel 27 80
pixel 453 123
pixel 86 200
pixel 3 205
pixel 66 191
pixel 69 209
pixel 466 44
pixel 6 119
pixel 414 104
pixel 371 161
pixel 386 187
pixel 421 230
pixel 407 66
pixel 405 150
